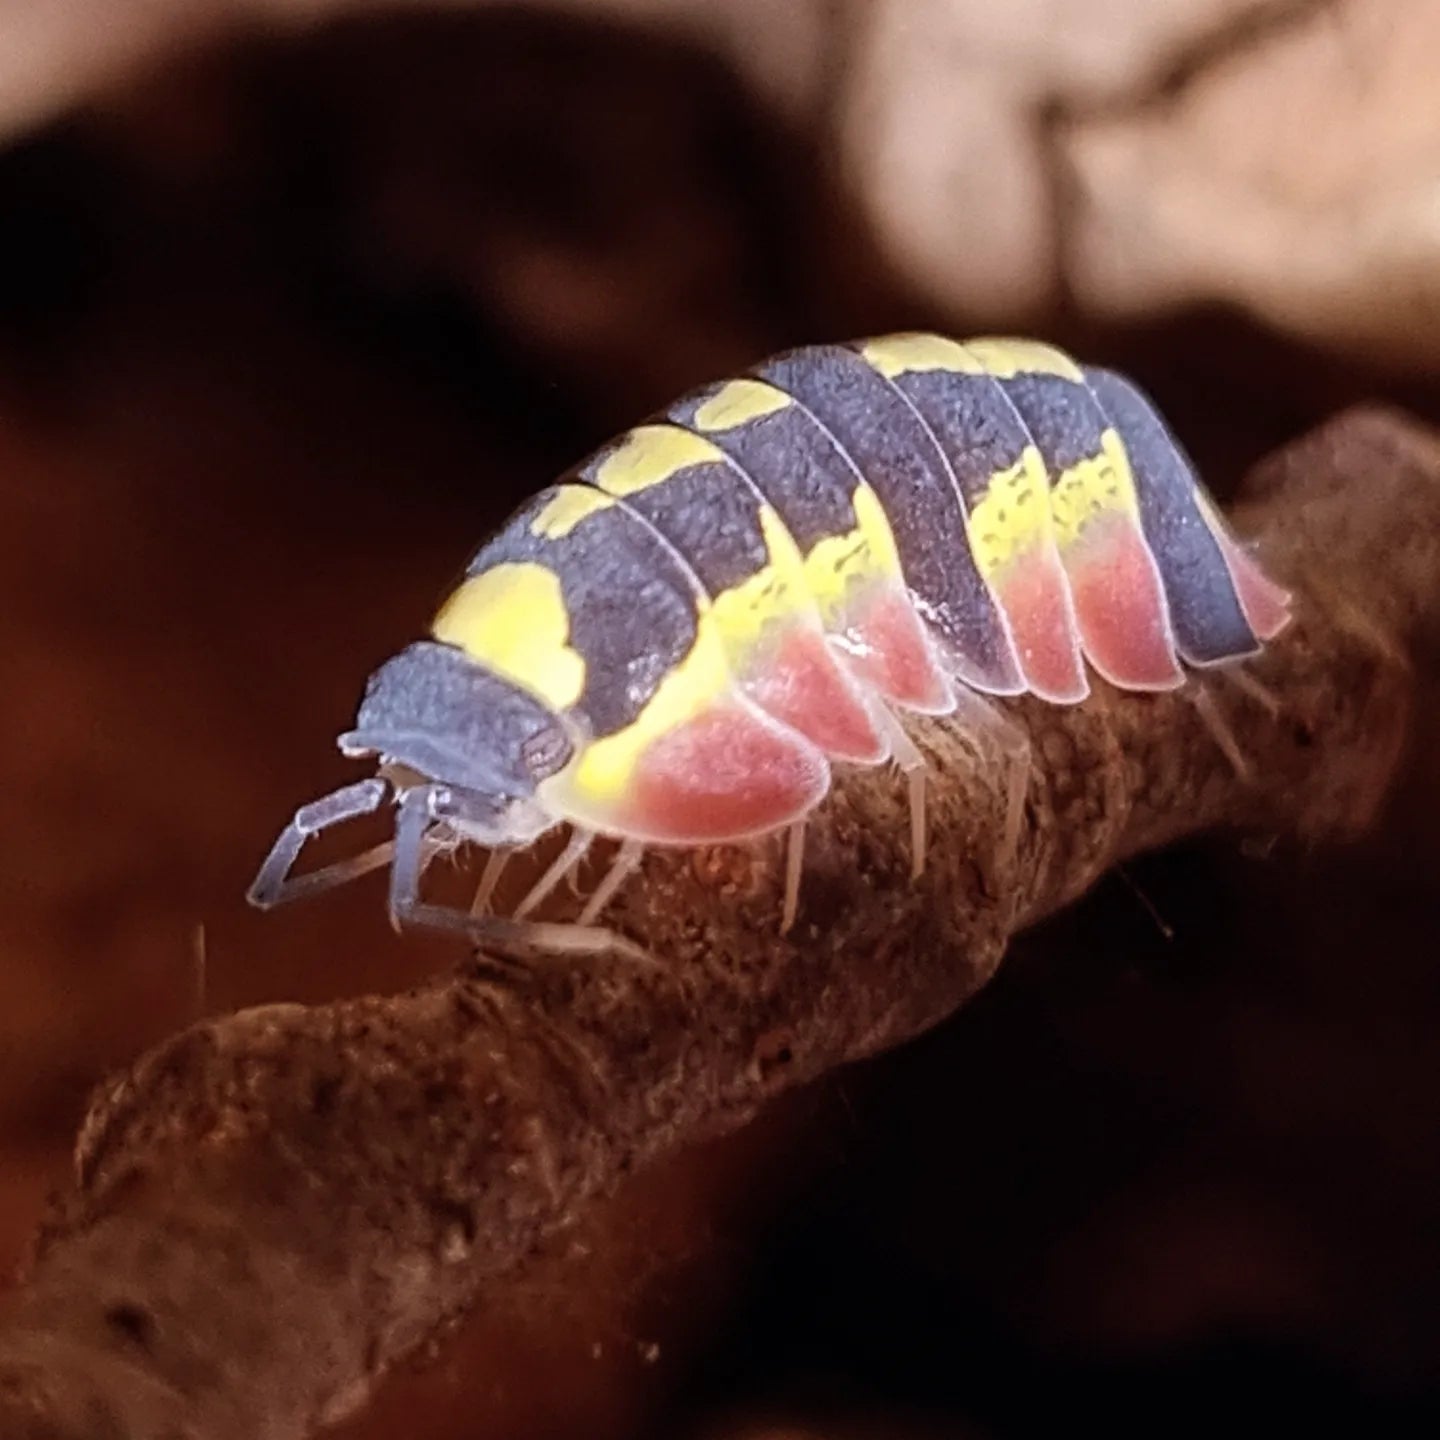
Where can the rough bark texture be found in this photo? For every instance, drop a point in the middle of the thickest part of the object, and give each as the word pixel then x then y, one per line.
pixel 275 1206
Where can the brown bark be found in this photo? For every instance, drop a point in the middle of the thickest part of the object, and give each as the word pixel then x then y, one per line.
pixel 274 1207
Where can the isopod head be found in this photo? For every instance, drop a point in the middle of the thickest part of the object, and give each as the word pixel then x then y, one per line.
pixel 432 714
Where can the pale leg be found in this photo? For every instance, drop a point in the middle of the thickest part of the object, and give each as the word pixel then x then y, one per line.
pixel 1252 689
pixel 274 885
pixel 1219 728
pixel 489 879
pixel 1013 744
pixel 560 867
pixel 622 867
pixel 418 812
pixel 907 756
pixel 794 868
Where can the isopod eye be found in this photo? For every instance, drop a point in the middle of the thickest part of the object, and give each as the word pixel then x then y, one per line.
pixel 546 752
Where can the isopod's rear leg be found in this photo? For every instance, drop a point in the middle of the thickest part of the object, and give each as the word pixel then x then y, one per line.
pixel 907 756
pixel 1221 731
pixel 1013 745
pixel 1252 688
pixel 794 869
pixel 274 884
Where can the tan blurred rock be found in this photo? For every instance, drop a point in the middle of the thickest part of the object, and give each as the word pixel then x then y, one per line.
pixel 1126 156
pixel 941 128
pixel 1299 180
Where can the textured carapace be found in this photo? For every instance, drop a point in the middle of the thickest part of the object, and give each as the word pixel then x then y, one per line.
pixel 675 643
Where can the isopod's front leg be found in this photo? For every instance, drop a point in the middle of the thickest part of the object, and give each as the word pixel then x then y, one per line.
pixel 275 885
pixel 428 805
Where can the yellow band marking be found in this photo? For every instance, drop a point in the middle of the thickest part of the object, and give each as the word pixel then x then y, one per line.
pixel 1097 484
pixel 650 455
pixel 1004 358
pixel 738 402
pixel 597 781
pixel 866 552
pixel 571 504
pixel 512 619
pixel 1013 515
pixel 997 356
pixel 777 591
pixel 894 355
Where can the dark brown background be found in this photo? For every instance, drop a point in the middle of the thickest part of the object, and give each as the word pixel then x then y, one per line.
pixel 285 325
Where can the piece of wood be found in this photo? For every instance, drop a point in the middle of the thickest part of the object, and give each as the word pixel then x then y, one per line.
pixel 274 1207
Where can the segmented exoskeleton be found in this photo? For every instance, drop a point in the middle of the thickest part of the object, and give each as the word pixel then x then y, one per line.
pixel 673 644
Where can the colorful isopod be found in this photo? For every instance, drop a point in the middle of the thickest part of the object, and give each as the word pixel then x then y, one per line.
pixel 674 644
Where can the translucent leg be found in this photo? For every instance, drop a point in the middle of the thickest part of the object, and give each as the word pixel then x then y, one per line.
pixel 1252 689
pixel 1219 727
pixel 418 812
pixel 489 878
pixel 1013 744
pixel 908 757
pixel 622 867
pixel 1350 619
pixel 794 869
pixel 274 884
pixel 565 862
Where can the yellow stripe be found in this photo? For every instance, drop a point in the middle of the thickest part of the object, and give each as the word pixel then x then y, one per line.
pixel 512 619
pixel 1004 358
pixel 866 552
pixel 650 455
pixel 777 591
pixel 1099 483
pixel 572 503
pixel 1014 514
pixel 739 402
pixel 999 356
pixel 600 776
pixel 894 355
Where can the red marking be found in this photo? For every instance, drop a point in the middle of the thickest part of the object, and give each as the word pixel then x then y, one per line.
pixel 1031 591
pixel 725 774
pixel 1266 605
pixel 892 653
pixel 1120 606
pixel 799 681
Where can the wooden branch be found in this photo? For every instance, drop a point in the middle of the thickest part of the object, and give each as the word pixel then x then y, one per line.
pixel 273 1207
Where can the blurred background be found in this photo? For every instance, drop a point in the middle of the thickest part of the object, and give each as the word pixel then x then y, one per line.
pixel 298 297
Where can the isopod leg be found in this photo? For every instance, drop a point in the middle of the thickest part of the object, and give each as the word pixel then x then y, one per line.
pixel 622 867
pixel 274 884
pixel 1350 619
pixel 489 878
pixel 565 863
pixel 1252 689
pixel 1220 729
pixel 1013 745
pixel 420 809
pixel 794 868
pixel 905 754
